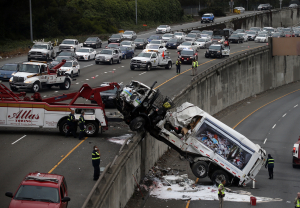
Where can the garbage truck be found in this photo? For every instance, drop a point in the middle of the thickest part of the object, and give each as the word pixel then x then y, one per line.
pixel 212 148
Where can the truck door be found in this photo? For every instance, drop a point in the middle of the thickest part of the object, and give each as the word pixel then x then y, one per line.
pixel 43 74
pixel 154 60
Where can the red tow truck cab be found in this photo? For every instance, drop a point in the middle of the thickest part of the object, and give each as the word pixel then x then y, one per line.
pixel 296 154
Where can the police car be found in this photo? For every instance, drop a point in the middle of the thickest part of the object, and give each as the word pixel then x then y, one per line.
pixel 217 51
pixel 188 55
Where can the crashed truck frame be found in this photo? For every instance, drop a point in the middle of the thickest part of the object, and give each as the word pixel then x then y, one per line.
pixel 212 148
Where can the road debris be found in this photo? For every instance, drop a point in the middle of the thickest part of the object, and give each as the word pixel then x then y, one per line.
pixel 120 139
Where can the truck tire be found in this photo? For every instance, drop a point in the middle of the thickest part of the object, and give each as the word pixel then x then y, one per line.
pixel 72 74
pixel 218 176
pixel 65 85
pixel 200 169
pixel 92 128
pixel 137 124
pixel 64 127
pixel 35 87
pixel 97 62
pixel 169 66
pixel 13 89
pixel 111 61
pixel 132 68
pixel 148 67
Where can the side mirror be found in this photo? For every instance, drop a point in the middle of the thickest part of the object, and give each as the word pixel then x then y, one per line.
pixel 9 194
pixel 66 199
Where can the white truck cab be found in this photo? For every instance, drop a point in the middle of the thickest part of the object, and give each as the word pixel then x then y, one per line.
pixel 296 154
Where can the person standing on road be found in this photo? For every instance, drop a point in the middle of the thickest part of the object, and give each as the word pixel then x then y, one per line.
pixel 270 164
pixel 221 192
pixel 96 162
pixel 81 126
pixel 178 64
pixel 194 67
pixel 297 200
pixel 72 124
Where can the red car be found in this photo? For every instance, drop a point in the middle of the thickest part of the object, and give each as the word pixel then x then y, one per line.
pixel 289 34
pixel 40 190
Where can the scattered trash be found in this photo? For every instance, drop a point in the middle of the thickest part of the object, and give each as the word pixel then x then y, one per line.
pixel 120 139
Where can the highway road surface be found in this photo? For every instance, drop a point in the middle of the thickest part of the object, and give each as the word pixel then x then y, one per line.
pixel 27 150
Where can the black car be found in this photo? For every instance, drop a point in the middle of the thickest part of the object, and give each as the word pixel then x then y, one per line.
pixel 236 38
pixel 68 53
pixel 230 31
pixel 108 97
pixel 116 38
pixel 140 43
pixel 215 51
pixel 173 43
pixel 93 42
pixel 187 56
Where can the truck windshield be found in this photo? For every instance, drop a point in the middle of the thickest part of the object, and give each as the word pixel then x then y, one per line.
pixel 148 55
pixel 71 42
pixel 106 52
pixel 40 46
pixel 30 68
pixel 85 50
pixel 37 193
pixel 214 47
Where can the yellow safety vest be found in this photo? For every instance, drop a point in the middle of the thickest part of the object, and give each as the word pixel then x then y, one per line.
pixel 178 62
pixel 95 156
pixel 298 203
pixel 222 190
pixel 270 161
pixel 195 64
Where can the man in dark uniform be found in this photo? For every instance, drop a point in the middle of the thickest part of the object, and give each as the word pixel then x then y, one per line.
pixel 178 64
pixel 96 162
pixel 81 126
pixel 270 163
pixel 72 124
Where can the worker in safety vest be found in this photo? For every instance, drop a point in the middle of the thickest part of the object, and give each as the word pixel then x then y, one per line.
pixel 270 164
pixel 194 67
pixel 72 124
pixel 81 126
pixel 96 162
pixel 297 200
pixel 221 192
pixel 178 64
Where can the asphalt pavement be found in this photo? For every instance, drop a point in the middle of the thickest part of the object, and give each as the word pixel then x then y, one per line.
pixel 28 150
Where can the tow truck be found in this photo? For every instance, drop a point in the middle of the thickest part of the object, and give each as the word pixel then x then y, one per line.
pixel 296 154
pixel 37 75
pixel 19 110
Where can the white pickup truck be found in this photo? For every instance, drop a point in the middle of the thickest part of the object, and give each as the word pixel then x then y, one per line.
pixel 150 60
pixel 42 51
pixel 37 75
pixel 70 45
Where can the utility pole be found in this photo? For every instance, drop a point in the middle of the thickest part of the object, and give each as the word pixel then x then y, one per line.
pixel 31 36
pixel 199 5
pixel 247 5
pixel 136 12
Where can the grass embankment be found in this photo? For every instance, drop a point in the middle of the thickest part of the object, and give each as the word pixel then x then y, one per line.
pixel 12 48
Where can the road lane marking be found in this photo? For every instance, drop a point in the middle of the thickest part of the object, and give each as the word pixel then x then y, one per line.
pixel 274 126
pixel 88 65
pixel 295 106
pixel 67 155
pixel 18 139
pixel 265 140
pixel 142 73
pixel 86 79
pixel 284 115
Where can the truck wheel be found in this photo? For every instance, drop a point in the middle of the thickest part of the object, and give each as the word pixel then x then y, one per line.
pixel 92 128
pixel 111 61
pixel 72 74
pixel 148 67
pixel 35 87
pixel 97 62
pixel 137 124
pixel 169 66
pixel 119 61
pixel 49 86
pixel 63 126
pixel 65 85
pixel 89 58
pixel 218 176
pixel 200 169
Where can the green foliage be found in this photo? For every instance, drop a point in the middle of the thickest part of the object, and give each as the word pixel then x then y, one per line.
pixel 217 11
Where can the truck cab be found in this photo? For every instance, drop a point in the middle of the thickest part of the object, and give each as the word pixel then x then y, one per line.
pixel 296 154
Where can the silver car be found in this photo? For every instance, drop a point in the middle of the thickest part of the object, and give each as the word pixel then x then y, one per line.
pixel 129 35
pixel 180 35
pixel 109 56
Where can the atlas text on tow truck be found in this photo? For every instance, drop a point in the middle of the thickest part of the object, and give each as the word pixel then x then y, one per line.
pixel 212 148
pixel 151 59
pixel 19 110
pixel 37 75
pixel 296 154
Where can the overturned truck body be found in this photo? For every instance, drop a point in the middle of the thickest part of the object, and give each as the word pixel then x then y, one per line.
pixel 212 148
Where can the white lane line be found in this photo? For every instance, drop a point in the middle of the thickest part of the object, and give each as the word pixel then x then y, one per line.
pixel 142 73
pixel 122 66
pixel 265 141
pixel 97 75
pixel 114 69
pixel 45 95
pixel 56 91
pixel 89 65
pixel 274 126
pixel 86 79
pixel 295 106
pixel 284 115
pixel 18 139
pixel 105 72
pixel 77 83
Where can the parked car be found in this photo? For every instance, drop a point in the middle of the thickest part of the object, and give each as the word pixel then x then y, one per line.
pixel 203 42
pixel 251 34
pixel 188 55
pixel 187 45
pixel 113 45
pixel 140 43
pixel 261 38
pixel 180 35
pixel 192 36
pixel 236 38
pixel 208 17
pixel 173 43
pixel 71 67
pixel 109 56
pixel 154 37
pixel 167 37
pixel 163 29
pixel 129 35
pixel 93 42
pixel 86 54
pixel 127 52
pixel 40 190
pixel 116 38
pixel 8 70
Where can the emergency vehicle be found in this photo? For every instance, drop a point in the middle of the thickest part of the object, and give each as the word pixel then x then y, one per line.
pixel 19 110
pixel 296 154
pixel 37 75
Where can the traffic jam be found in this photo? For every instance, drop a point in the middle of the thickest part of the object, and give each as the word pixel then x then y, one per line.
pixel 50 67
